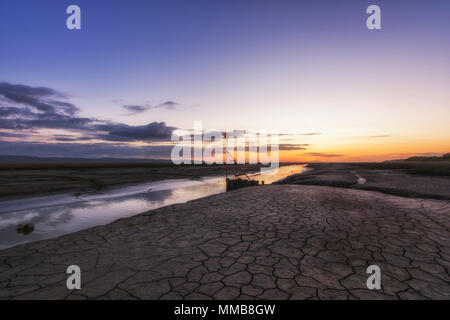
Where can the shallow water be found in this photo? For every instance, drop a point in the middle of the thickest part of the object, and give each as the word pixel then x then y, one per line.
pixel 61 214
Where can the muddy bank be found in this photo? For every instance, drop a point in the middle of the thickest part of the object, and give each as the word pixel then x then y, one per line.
pixel 42 179
pixel 392 179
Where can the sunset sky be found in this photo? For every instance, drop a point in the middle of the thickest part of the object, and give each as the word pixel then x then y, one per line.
pixel 137 70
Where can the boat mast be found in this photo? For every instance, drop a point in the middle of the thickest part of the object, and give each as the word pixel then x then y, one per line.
pixel 226 158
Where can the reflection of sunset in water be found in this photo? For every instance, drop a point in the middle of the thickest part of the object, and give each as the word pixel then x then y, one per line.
pixel 57 215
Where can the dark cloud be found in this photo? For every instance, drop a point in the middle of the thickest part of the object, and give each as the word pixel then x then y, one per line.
pixel 310 134
pixel 325 155
pixel 24 107
pixel 12 124
pixel 291 146
pixel 168 105
pixel 136 109
pixel 13 135
pixel 123 132
pixel 41 98
pixel 71 139
pixel 83 150
pixel 6 112
pixel 60 122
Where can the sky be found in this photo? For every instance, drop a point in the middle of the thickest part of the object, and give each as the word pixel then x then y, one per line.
pixel 138 70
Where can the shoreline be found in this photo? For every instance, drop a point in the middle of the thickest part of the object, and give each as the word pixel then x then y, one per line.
pixel 78 181
pixel 65 213
pixel 430 180
pixel 82 178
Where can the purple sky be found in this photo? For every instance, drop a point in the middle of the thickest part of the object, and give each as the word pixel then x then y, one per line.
pixel 138 69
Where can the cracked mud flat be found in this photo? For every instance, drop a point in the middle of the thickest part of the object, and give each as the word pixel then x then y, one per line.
pixel 271 242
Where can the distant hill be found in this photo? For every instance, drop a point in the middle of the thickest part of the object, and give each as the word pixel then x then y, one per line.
pixel 445 157
pixel 27 159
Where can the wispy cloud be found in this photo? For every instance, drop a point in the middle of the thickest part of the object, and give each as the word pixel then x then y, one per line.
pixel 290 134
pixel 137 109
pixel 381 136
pixel 325 155
pixel 309 134
pixel 292 146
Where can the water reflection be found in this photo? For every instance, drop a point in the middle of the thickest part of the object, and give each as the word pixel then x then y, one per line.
pixel 57 215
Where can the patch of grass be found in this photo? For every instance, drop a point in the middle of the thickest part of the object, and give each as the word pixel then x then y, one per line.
pixel 445 157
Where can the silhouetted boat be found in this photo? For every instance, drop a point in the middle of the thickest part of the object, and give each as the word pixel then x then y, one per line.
pixel 241 179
